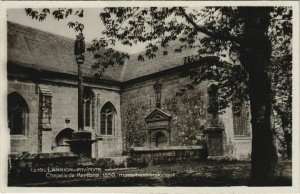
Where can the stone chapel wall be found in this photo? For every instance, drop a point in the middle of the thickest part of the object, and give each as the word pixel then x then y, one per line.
pixel 109 145
pixel 64 105
pixel 27 142
pixel 188 110
pixel 132 104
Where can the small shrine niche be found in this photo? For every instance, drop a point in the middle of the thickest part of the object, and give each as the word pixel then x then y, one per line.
pixel 158 122
pixel 45 108
pixel 158 126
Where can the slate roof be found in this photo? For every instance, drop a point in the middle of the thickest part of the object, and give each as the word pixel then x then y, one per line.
pixel 29 47
pixel 134 68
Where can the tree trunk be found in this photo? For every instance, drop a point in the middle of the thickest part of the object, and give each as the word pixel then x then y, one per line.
pixel 255 54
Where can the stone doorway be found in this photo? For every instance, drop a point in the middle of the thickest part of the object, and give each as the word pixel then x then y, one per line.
pixel 158 125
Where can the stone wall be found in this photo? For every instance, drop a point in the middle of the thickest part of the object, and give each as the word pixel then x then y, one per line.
pixel 234 146
pixel 108 145
pixel 64 105
pixel 189 114
pixel 228 135
pixel 29 141
pixel 188 110
pixel 242 148
pixel 144 156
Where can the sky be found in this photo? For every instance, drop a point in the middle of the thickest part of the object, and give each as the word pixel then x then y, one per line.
pixel 91 20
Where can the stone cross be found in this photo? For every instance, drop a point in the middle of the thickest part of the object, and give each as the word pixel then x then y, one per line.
pixel 79 49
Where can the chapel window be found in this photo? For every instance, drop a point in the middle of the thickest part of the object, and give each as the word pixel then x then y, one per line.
pixel 107 119
pixel 241 119
pixel 17 110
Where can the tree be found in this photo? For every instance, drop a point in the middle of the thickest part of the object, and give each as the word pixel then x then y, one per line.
pixel 281 75
pixel 238 34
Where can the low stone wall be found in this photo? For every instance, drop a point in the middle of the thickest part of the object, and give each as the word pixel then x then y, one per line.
pixel 110 163
pixel 143 156
pixel 42 160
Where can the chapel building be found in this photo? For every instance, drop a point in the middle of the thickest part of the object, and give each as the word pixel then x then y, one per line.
pixel 137 104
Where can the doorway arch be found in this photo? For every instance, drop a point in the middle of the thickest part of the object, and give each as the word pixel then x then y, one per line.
pixel 160 139
pixel 60 141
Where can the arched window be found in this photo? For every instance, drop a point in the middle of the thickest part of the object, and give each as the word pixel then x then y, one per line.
pixel 17 110
pixel 107 119
pixel 241 120
pixel 87 107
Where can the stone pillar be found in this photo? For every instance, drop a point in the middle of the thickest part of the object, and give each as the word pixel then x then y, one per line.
pixel 80 98
pixel 214 129
pixel 214 141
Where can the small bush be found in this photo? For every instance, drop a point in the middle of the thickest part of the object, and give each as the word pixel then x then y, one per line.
pixel 104 163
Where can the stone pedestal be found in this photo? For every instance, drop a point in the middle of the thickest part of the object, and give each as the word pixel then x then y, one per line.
pixel 81 143
pixel 214 141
